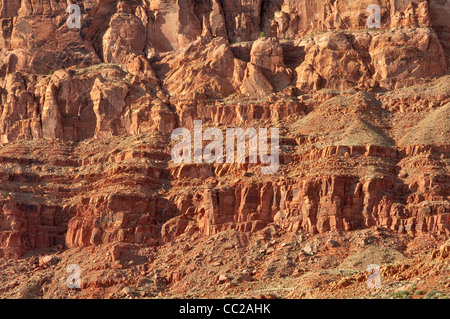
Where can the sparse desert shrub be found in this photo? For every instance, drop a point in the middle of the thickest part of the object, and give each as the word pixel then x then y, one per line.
pixel 432 294
pixel 402 294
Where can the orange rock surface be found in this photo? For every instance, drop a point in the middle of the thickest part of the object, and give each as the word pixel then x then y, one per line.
pixel 86 174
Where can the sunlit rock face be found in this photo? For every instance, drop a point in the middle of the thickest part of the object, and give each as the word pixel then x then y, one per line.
pixel 86 116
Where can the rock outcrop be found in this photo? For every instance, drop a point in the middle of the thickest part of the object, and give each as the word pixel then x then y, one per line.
pixel 86 116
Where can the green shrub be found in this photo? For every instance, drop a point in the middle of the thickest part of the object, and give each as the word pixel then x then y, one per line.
pixel 402 294
pixel 435 294
pixel 431 294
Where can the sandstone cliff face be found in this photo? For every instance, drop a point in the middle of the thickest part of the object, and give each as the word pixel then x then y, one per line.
pixel 86 116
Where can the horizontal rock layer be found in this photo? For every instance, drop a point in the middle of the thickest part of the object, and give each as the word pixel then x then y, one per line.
pixel 86 116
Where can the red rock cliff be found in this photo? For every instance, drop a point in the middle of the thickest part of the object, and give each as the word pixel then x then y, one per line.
pixel 86 116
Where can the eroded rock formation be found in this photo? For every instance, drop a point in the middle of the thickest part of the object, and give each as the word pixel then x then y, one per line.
pixel 86 117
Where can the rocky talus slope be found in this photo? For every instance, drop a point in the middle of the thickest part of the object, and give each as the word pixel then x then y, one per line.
pixel 86 174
